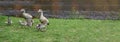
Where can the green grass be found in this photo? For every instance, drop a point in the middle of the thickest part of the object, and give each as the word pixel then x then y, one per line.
pixel 63 30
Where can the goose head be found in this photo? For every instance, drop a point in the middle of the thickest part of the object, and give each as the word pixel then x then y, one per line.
pixel 22 10
pixel 40 10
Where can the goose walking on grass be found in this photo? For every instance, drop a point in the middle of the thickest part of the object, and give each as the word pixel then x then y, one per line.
pixel 41 27
pixel 42 18
pixel 24 23
pixel 44 21
pixel 27 17
pixel 9 21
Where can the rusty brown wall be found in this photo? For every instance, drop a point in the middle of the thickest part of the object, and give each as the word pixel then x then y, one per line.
pixel 54 5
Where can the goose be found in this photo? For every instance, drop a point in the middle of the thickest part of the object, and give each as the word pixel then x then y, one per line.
pixel 24 23
pixel 29 22
pixel 42 18
pixel 41 27
pixel 9 21
pixel 27 17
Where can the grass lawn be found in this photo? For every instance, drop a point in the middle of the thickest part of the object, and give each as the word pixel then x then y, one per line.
pixel 62 30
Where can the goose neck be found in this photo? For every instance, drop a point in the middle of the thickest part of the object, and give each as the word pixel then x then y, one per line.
pixel 41 13
pixel 24 11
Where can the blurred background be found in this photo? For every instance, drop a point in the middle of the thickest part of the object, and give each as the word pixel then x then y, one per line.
pixel 73 9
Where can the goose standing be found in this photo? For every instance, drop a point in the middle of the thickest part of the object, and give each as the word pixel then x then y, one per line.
pixel 24 23
pixel 41 27
pixel 42 18
pixel 9 21
pixel 27 17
